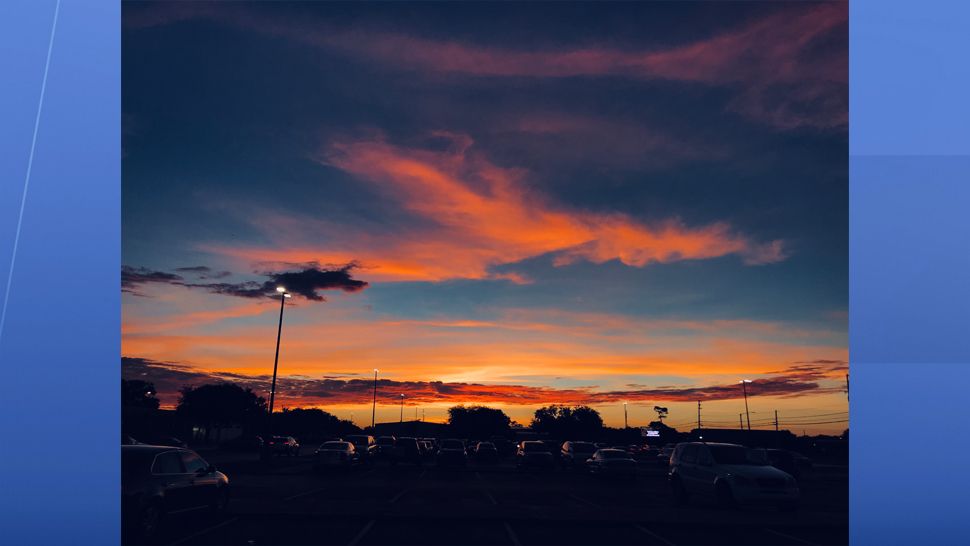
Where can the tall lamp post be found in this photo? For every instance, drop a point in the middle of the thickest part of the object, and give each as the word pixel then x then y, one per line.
pixel 744 387
pixel 402 408
pixel 626 423
pixel 373 409
pixel 276 360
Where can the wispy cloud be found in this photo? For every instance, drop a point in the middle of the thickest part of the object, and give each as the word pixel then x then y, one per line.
pixel 781 67
pixel 483 216
pixel 335 390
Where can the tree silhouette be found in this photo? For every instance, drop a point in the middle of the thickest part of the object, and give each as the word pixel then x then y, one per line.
pixel 138 394
pixel 311 423
pixel 478 421
pixel 221 404
pixel 580 422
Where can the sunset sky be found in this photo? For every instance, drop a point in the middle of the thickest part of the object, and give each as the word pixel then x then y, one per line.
pixel 492 203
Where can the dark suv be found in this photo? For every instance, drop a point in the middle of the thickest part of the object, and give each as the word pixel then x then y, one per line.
pixel 157 481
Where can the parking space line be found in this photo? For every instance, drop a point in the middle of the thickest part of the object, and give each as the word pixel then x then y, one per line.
pixel 789 537
pixel 485 489
pixel 305 494
pixel 652 535
pixel 204 531
pixel 362 532
pixel 398 496
pixel 584 501
pixel 511 533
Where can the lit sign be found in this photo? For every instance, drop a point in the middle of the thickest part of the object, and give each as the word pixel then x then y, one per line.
pixel 650 433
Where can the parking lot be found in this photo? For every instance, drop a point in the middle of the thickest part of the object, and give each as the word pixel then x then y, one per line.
pixel 491 504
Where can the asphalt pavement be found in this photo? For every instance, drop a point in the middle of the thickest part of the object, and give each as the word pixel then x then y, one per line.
pixel 289 504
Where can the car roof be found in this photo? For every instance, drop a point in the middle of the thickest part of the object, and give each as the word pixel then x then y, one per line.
pixel 145 448
pixel 720 444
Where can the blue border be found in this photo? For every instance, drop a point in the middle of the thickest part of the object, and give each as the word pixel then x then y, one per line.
pixel 909 271
pixel 910 242
pixel 60 341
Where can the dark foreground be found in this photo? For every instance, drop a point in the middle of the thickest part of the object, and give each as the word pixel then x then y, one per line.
pixel 496 504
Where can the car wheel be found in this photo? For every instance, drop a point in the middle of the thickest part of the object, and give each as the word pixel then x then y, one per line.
pixel 678 491
pixel 725 497
pixel 221 501
pixel 150 520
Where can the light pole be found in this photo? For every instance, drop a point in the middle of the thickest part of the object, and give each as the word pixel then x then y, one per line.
pixel 373 409
pixel 276 360
pixel 402 408
pixel 744 387
pixel 626 422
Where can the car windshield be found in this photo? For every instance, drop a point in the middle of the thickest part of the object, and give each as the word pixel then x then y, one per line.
pixel 337 446
pixel 534 447
pixel 584 447
pixel 736 455
pixel 452 444
pixel 614 454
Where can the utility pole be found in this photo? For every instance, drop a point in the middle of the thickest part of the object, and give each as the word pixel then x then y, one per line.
pixel 402 409
pixel 698 415
pixel 846 387
pixel 741 420
pixel 744 388
pixel 626 423
pixel 776 420
pixel 373 410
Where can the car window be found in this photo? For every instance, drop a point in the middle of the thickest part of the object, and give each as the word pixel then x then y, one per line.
pixel 690 454
pixel 193 463
pixel 168 463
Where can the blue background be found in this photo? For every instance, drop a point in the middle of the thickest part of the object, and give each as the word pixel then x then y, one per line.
pixel 909 275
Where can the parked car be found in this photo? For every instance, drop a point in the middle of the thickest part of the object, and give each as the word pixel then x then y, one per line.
pixel 159 481
pixel 485 453
pixel 791 462
pixel 284 445
pixel 427 448
pixel 170 441
pixel 385 446
pixel 532 454
pixel 612 462
pixel 406 450
pixel 365 446
pixel 574 454
pixel 451 453
pixel 335 455
pixel 663 456
pixel 730 474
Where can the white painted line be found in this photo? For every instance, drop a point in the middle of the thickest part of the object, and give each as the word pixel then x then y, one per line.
pixel 362 532
pixel 789 537
pixel 584 501
pixel 398 496
pixel 204 531
pixel 511 533
pixel 305 493
pixel 652 535
pixel 485 489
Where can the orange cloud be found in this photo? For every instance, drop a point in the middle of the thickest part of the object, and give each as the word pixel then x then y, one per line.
pixel 482 216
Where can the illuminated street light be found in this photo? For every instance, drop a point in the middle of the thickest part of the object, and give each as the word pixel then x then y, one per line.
pixel 276 360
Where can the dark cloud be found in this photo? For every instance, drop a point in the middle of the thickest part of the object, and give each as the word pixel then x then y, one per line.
pixel 134 277
pixel 302 390
pixel 305 283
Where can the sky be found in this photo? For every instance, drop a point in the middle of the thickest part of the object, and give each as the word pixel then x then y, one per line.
pixel 504 204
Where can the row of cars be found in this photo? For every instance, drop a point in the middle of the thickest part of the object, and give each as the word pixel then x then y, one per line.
pixel 363 449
